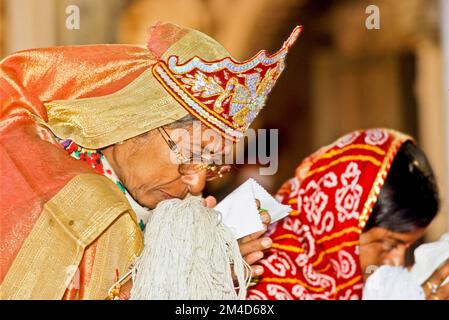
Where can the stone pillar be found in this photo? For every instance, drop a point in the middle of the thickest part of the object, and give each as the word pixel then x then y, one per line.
pixel 444 19
pixel 431 107
pixel 2 28
pixel 98 21
pixel 30 24
pixel 432 124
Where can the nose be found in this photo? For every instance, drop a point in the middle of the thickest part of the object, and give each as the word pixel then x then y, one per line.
pixel 195 182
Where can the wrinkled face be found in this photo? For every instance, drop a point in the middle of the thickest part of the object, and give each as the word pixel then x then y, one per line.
pixel 380 246
pixel 149 169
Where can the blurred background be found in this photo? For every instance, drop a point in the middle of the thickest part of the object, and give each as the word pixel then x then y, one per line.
pixel 340 76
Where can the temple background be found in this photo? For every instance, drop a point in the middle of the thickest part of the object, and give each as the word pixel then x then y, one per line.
pixel 340 76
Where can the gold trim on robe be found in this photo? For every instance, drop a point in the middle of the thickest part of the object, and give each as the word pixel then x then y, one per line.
pixel 90 207
pixel 98 122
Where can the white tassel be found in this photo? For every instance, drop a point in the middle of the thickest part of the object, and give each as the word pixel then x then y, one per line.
pixel 188 254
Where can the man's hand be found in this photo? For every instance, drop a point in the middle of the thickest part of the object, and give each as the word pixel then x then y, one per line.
pixel 251 246
pixel 210 202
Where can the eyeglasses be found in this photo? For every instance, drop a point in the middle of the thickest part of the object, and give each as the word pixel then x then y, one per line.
pixel 196 163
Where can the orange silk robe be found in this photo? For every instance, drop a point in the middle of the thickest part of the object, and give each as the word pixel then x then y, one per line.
pixel 66 232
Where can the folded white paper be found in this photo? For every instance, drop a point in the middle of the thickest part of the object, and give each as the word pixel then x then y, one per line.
pixel 239 209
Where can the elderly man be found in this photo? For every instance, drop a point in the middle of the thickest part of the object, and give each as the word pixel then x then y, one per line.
pixel 87 146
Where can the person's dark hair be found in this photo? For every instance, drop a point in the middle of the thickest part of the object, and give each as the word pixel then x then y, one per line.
pixel 408 200
pixel 184 122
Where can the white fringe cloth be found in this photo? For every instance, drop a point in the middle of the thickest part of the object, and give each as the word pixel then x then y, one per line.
pixel 188 254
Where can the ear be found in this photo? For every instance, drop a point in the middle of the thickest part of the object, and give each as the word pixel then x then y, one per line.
pixel 195 182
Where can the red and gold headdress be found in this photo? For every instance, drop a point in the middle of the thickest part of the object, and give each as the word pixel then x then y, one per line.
pixel 224 94
pixel 123 91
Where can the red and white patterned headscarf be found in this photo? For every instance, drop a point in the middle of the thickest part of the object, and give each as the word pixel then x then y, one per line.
pixel 315 253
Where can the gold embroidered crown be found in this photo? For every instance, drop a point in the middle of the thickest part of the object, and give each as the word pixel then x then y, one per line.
pixel 224 94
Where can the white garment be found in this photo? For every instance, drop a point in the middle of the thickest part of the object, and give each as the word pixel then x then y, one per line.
pixel 397 283
pixel 428 257
pixel 392 283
